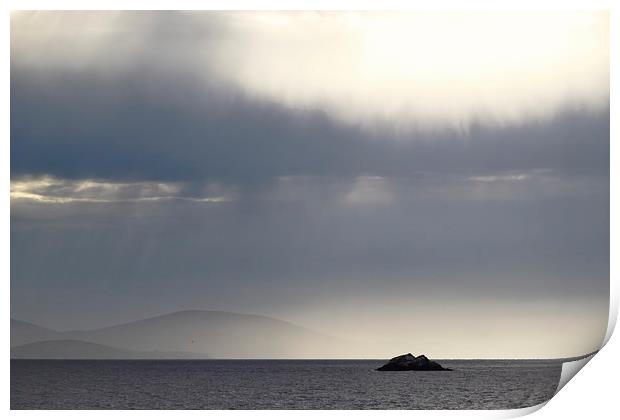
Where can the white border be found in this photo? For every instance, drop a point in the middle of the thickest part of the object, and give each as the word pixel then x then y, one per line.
pixel 592 395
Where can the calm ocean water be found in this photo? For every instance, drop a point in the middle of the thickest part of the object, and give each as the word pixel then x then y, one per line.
pixel 277 384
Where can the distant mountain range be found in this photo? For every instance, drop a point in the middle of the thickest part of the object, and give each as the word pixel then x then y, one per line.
pixel 186 334
pixel 25 332
pixel 75 349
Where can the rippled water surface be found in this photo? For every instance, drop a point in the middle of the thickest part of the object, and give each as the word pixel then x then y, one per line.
pixel 275 384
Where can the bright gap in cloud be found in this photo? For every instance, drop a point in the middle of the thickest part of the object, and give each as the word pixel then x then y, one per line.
pixel 423 69
pixel 60 191
pixel 405 70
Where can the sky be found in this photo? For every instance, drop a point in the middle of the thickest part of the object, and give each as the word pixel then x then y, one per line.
pixel 434 178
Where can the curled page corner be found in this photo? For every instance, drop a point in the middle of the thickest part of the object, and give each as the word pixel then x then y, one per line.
pixel 520 412
pixel 570 369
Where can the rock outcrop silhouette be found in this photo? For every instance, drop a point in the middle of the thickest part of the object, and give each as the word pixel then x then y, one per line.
pixel 411 362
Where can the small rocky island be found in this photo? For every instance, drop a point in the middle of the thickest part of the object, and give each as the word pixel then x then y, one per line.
pixel 411 362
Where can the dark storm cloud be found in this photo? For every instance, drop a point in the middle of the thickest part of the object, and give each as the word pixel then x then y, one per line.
pixel 163 128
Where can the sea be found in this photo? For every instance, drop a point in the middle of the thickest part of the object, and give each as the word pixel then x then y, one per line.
pixel 278 384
